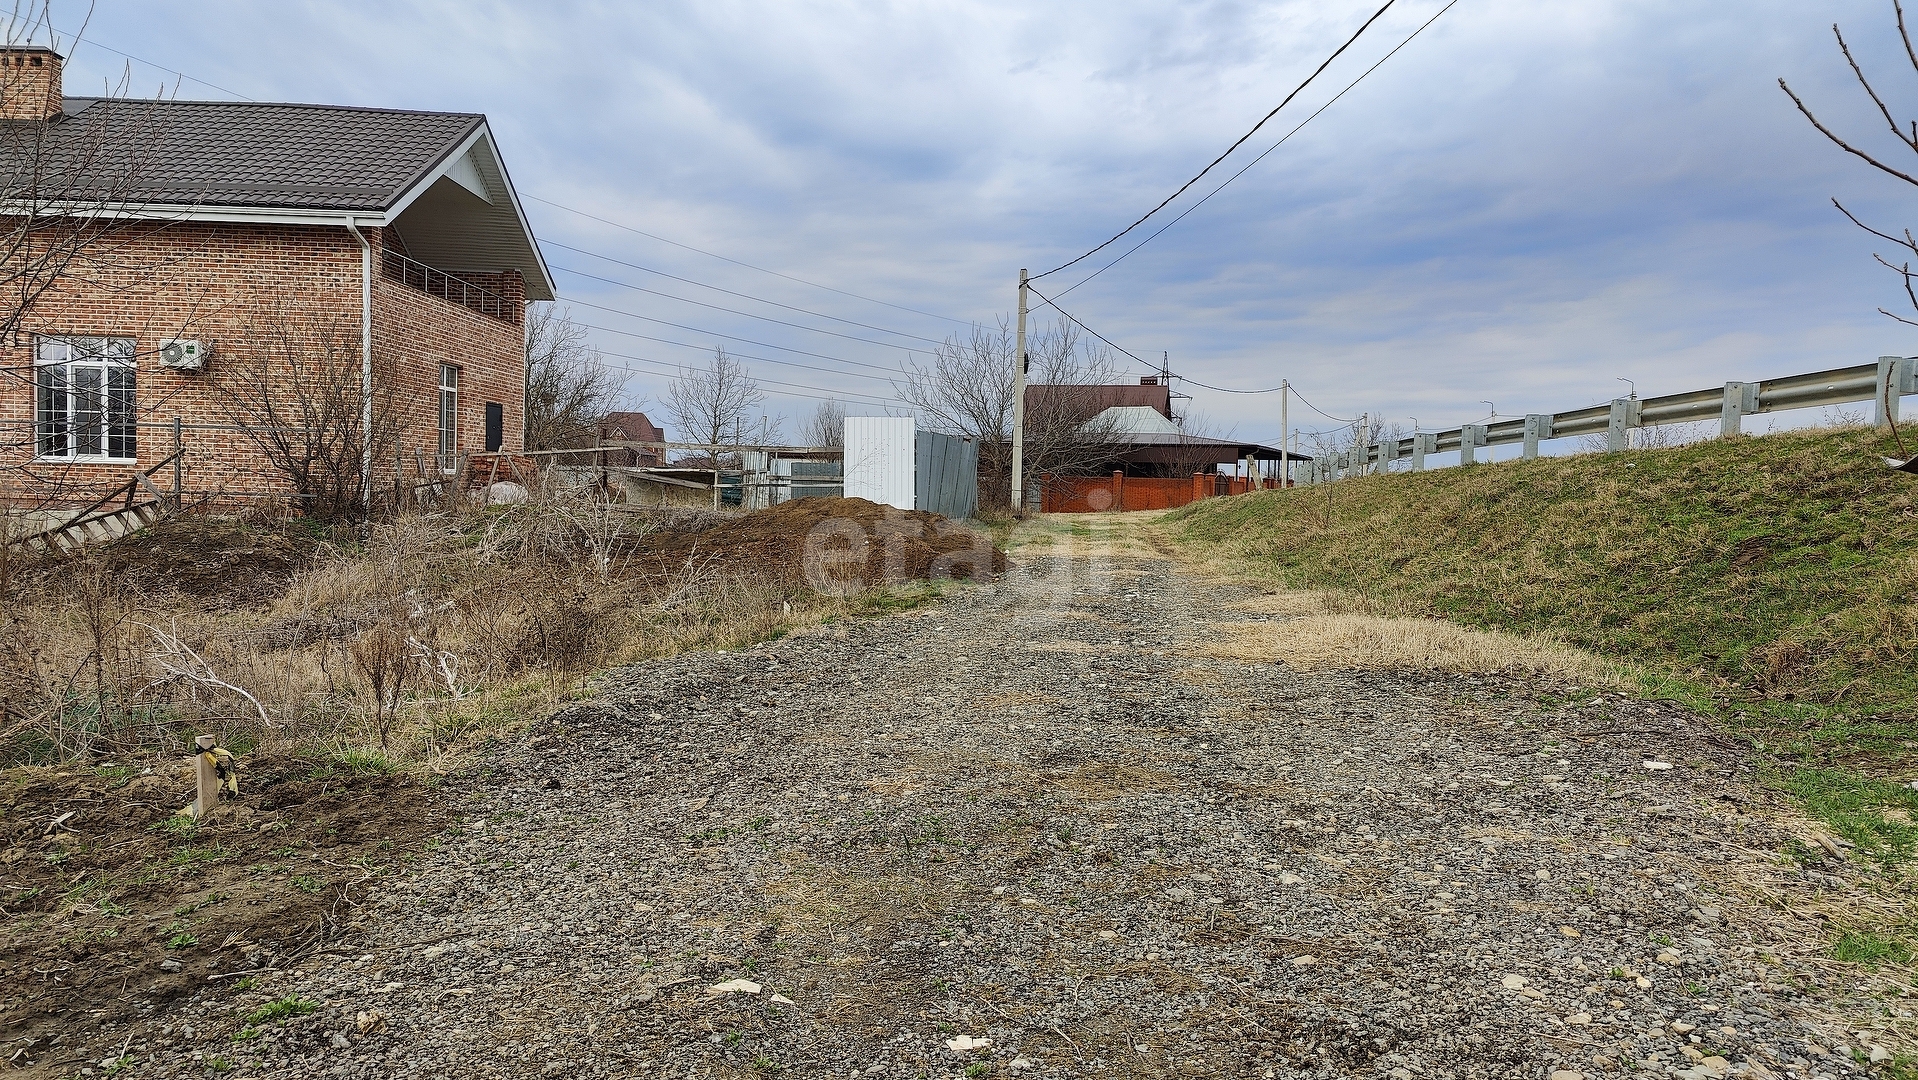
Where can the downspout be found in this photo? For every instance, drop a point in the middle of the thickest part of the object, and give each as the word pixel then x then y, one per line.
pixel 366 363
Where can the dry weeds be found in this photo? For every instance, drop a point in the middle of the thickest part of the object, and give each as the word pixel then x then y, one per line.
pixel 1334 641
pixel 431 634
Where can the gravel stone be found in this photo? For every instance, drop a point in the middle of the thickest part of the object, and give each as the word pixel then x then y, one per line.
pixel 1036 826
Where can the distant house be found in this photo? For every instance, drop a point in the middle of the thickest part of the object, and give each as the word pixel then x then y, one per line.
pixel 256 231
pixel 1130 429
pixel 632 427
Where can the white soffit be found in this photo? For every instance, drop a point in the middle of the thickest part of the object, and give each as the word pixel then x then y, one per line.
pixel 465 172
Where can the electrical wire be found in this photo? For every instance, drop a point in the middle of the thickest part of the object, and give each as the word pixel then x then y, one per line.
pixel 1228 151
pixel 740 356
pixel 715 333
pixel 729 292
pixel 736 262
pixel 729 311
pixel 1272 390
pixel 79 40
pixel 1083 326
pixel 1268 150
pixel 678 369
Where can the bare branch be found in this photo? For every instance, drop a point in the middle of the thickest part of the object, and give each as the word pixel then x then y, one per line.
pixel 181 662
pixel 1866 83
pixel 1842 144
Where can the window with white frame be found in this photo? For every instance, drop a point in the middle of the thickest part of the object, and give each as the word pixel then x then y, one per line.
pixel 449 415
pixel 83 398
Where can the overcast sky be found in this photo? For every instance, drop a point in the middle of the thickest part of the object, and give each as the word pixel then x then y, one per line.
pixel 1533 199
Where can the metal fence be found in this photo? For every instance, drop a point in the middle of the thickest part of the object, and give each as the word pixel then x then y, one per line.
pixel 1881 383
pixel 418 275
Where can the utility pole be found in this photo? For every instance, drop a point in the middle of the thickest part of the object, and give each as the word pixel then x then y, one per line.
pixel 1019 405
pixel 1285 433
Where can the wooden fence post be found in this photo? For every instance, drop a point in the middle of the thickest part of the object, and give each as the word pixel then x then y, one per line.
pixel 205 778
pixel 1118 489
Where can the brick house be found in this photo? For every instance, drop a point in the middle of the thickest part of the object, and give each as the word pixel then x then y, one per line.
pixel 391 240
pixel 632 427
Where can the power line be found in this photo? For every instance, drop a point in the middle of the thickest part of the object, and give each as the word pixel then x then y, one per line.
pixel 727 310
pixel 715 333
pixel 1083 326
pixel 835 395
pixel 1268 150
pixel 1228 150
pixel 742 356
pixel 728 292
pixel 77 40
pixel 1271 390
pixel 736 262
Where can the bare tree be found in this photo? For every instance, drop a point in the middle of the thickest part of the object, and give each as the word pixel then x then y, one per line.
pixel 68 184
pixel 74 213
pixel 967 389
pixel 293 386
pixel 569 389
pixel 1907 135
pixel 714 404
pixel 826 426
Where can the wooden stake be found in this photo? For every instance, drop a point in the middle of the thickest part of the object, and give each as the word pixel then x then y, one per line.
pixel 204 777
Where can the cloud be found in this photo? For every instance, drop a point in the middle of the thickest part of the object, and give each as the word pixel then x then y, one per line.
pixel 1533 199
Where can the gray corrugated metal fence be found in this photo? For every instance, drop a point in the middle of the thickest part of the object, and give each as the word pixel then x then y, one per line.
pixel 948 475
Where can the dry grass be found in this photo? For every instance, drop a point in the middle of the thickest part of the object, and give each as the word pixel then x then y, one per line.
pixel 1290 602
pixel 1332 641
pixel 422 639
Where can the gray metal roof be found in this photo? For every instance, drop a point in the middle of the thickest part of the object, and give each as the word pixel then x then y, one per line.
pixel 224 153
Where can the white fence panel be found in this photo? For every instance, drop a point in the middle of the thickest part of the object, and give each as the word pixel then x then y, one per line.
pixel 880 459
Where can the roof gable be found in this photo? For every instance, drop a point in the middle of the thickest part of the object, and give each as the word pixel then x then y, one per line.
pixel 278 162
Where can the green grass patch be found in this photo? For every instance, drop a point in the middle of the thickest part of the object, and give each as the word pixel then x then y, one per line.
pixel 275 1011
pixel 1875 815
pixel 1771 581
pixel 1858 947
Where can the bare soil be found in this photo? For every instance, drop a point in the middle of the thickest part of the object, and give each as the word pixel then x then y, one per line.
pixel 849 543
pixel 111 906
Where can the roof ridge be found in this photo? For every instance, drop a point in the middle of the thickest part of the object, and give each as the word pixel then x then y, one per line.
pixel 274 104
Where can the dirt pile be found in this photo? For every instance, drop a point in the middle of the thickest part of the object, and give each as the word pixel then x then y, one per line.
pixel 829 545
pixel 218 560
pixel 111 903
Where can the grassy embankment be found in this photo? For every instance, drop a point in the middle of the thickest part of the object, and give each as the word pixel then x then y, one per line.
pixel 1771 582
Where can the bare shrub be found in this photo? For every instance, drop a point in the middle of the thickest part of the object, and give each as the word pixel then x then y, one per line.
pixel 384 660
pixel 295 387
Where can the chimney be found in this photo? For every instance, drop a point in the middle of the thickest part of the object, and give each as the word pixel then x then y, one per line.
pixel 29 83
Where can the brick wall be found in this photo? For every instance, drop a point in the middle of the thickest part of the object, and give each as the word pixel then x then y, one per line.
pixel 244 291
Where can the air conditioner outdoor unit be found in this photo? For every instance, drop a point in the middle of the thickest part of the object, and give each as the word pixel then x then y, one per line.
pixel 182 355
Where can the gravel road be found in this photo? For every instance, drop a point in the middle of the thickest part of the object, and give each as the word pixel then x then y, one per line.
pixel 1034 830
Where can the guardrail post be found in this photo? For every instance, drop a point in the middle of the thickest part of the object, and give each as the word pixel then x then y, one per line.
pixel 1624 418
pixel 1470 438
pixel 1388 453
pixel 1538 426
pixel 1897 375
pixel 1418 452
pixel 1740 398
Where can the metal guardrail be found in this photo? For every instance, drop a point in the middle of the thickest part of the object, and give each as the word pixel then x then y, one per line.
pixel 417 275
pixel 1881 383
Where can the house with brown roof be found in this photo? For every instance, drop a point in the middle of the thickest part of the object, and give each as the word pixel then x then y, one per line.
pixel 240 271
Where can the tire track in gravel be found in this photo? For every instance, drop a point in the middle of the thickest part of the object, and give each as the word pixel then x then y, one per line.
pixel 1039 816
